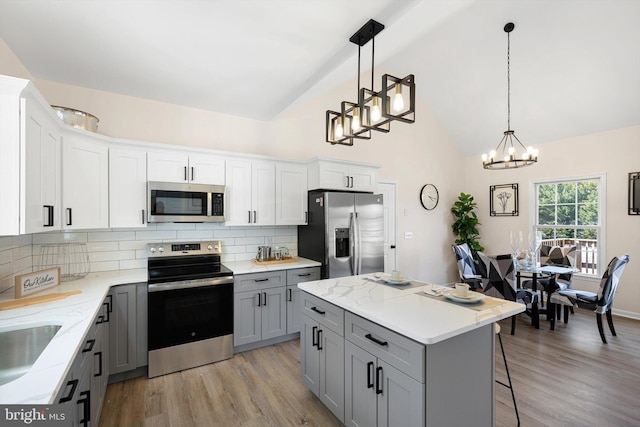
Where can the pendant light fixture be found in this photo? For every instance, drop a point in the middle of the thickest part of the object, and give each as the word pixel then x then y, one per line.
pixel 373 110
pixel 507 155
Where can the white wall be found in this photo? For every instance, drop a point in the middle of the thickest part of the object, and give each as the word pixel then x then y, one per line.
pixel 614 153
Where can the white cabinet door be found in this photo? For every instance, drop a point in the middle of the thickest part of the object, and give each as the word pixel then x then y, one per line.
pixel 42 178
pixel 362 178
pixel 238 193
pixel 263 193
pixel 127 187
pixel 291 194
pixel 249 193
pixel 334 176
pixel 274 313
pixel 167 166
pixel 206 169
pixel 337 175
pixel 85 183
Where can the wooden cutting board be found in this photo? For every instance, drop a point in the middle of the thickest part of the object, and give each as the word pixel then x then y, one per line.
pixel 272 262
pixel 23 302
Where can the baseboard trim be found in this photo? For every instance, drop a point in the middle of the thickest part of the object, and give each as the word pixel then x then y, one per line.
pixel 123 376
pixel 624 313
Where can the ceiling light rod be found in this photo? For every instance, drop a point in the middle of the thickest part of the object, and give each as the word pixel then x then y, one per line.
pixel 508 158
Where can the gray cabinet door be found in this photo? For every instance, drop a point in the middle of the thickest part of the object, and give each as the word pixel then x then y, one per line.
pixel 247 317
pixel 309 355
pixel 294 322
pixel 274 313
pixel 401 402
pixel 331 349
pixel 359 387
pixel 122 329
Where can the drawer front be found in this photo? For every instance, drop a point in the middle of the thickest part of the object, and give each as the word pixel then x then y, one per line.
pixel 255 281
pixel 399 351
pixel 323 312
pixel 300 275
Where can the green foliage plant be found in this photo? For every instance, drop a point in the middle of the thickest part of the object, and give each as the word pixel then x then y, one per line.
pixel 465 225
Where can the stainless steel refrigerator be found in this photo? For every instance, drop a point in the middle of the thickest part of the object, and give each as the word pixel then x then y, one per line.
pixel 345 232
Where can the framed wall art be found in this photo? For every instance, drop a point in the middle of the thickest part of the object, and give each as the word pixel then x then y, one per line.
pixel 503 200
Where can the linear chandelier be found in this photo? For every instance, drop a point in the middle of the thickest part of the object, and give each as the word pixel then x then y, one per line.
pixel 509 158
pixel 372 110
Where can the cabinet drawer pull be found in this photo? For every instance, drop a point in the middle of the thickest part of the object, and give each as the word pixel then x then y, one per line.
pixel 304 275
pixel 49 222
pixel 249 212
pixel 254 216
pixel 306 217
pixel 265 299
pixel 375 340
pixel 259 300
pixel 314 340
pixel 89 346
pixel 351 186
pixel 100 319
pixel 143 216
pixel 317 310
pixel 185 174
pixel 370 375
pixel 347 181
pixel 260 280
pixel 70 221
pixel 290 295
pixel 99 373
pixel 192 173
pixel 110 303
pixel 378 380
pixel 74 385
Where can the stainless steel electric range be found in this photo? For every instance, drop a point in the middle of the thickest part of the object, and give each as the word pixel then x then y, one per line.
pixel 190 306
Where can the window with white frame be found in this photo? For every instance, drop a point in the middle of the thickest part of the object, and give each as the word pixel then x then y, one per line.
pixel 570 212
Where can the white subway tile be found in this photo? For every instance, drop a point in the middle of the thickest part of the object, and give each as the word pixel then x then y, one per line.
pixel 207 226
pixel 6 270
pixel 155 236
pixel 126 245
pixel 286 231
pixel 21 252
pixel 64 237
pixel 250 241
pixel 111 236
pixel 142 254
pixel 5 256
pixel 133 263
pixel 234 249
pixel 245 257
pixel 104 266
pixel 260 232
pixel 22 264
pixel 6 284
pixel 11 242
pixel 229 232
pixel 102 246
pixel 164 226
pixel 111 256
pixel 195 234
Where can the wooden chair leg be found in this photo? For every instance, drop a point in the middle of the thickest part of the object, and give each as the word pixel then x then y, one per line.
pixel 535 315
pixel 599 319
pixel 610 322
pixel 552 307
pixel 558 311
pixel 566 313
pixel 513 325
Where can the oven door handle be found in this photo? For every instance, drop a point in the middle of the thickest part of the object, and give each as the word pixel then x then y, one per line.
pixel 168 286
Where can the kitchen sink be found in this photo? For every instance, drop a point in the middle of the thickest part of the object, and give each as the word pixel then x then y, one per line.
pixel 20 347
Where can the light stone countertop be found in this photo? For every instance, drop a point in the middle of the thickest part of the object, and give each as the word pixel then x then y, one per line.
pixel 75 314
pixel 408 311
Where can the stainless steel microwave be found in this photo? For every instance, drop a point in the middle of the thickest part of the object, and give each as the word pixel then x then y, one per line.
pixel 182 202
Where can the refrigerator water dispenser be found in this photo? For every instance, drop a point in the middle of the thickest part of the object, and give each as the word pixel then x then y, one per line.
pixel 342 242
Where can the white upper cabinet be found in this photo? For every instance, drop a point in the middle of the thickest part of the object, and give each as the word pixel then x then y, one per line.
pixel 250 193
pixel 341 175
pixel 291 194
pixel 29 160
pixel 127 187
pixel 85 181
pixel 176 166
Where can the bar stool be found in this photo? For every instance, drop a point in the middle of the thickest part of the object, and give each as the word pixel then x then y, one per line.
pixel 506 367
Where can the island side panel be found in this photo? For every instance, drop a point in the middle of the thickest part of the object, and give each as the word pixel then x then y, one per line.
pixel 460 386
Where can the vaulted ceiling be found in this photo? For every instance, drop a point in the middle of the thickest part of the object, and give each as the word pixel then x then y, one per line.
pixel 575 65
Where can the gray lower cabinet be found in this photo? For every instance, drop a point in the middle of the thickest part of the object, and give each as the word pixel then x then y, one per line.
pixel 259 311
pixel 322 352
pixel 295 276
pixel 128 331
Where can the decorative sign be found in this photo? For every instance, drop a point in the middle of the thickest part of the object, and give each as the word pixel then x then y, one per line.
pixel 30 283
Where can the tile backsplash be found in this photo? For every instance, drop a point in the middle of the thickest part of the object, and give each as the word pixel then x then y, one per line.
pixel 121 249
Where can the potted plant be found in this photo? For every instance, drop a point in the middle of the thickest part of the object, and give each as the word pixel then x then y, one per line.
pixel 465 226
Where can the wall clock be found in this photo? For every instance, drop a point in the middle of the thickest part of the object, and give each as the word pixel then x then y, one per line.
pixel 429 197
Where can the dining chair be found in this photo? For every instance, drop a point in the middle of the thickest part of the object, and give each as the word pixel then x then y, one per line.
pixel 497 273
pixel 467 266
pixel 554 255
pixel 601 302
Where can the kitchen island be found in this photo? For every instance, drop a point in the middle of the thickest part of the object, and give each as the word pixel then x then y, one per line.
pixel 387 355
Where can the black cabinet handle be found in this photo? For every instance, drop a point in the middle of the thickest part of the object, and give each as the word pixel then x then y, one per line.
pixel 106 319
pixel 143 216
pixel 110 303
pixel 393 246
pixel 259 299
pixel 249 212
pixel 318 310
pixel 351 182
pixel 86 409
pixel 74 385
pixel 192 174
pixel 254 217
pixel 49 209
pixel 290 294
pixel 347 182
pixel 370 375
pixel 306 216
pixel 70 222
pixel 99 374
pixel 185 174
pixel 319 339
pixel 265 299
pixel 89 347
pixel 314 341
pixel 378 380
pixel 304 275
pixel 260 280
pixel 100 319
pixel 375 340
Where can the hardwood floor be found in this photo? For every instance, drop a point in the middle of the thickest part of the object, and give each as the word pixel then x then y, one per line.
pixel 565 377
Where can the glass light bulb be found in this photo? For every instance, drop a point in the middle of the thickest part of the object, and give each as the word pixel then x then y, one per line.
pixel 376 114
pixel 492 154
pixel 525 155
pixel 511 151
pixel 355 121
pixel 535 152
pixel 530 149
pixel 484 157
pixel 506 158
pixel 398 102
pixel 339 129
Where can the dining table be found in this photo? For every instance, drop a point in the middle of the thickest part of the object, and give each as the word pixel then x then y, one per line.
pixel 547 272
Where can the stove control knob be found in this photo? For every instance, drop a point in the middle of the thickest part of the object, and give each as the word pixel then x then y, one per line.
pixel 216 247
pixel 152 249
pixel 161 249
pixel 209 247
